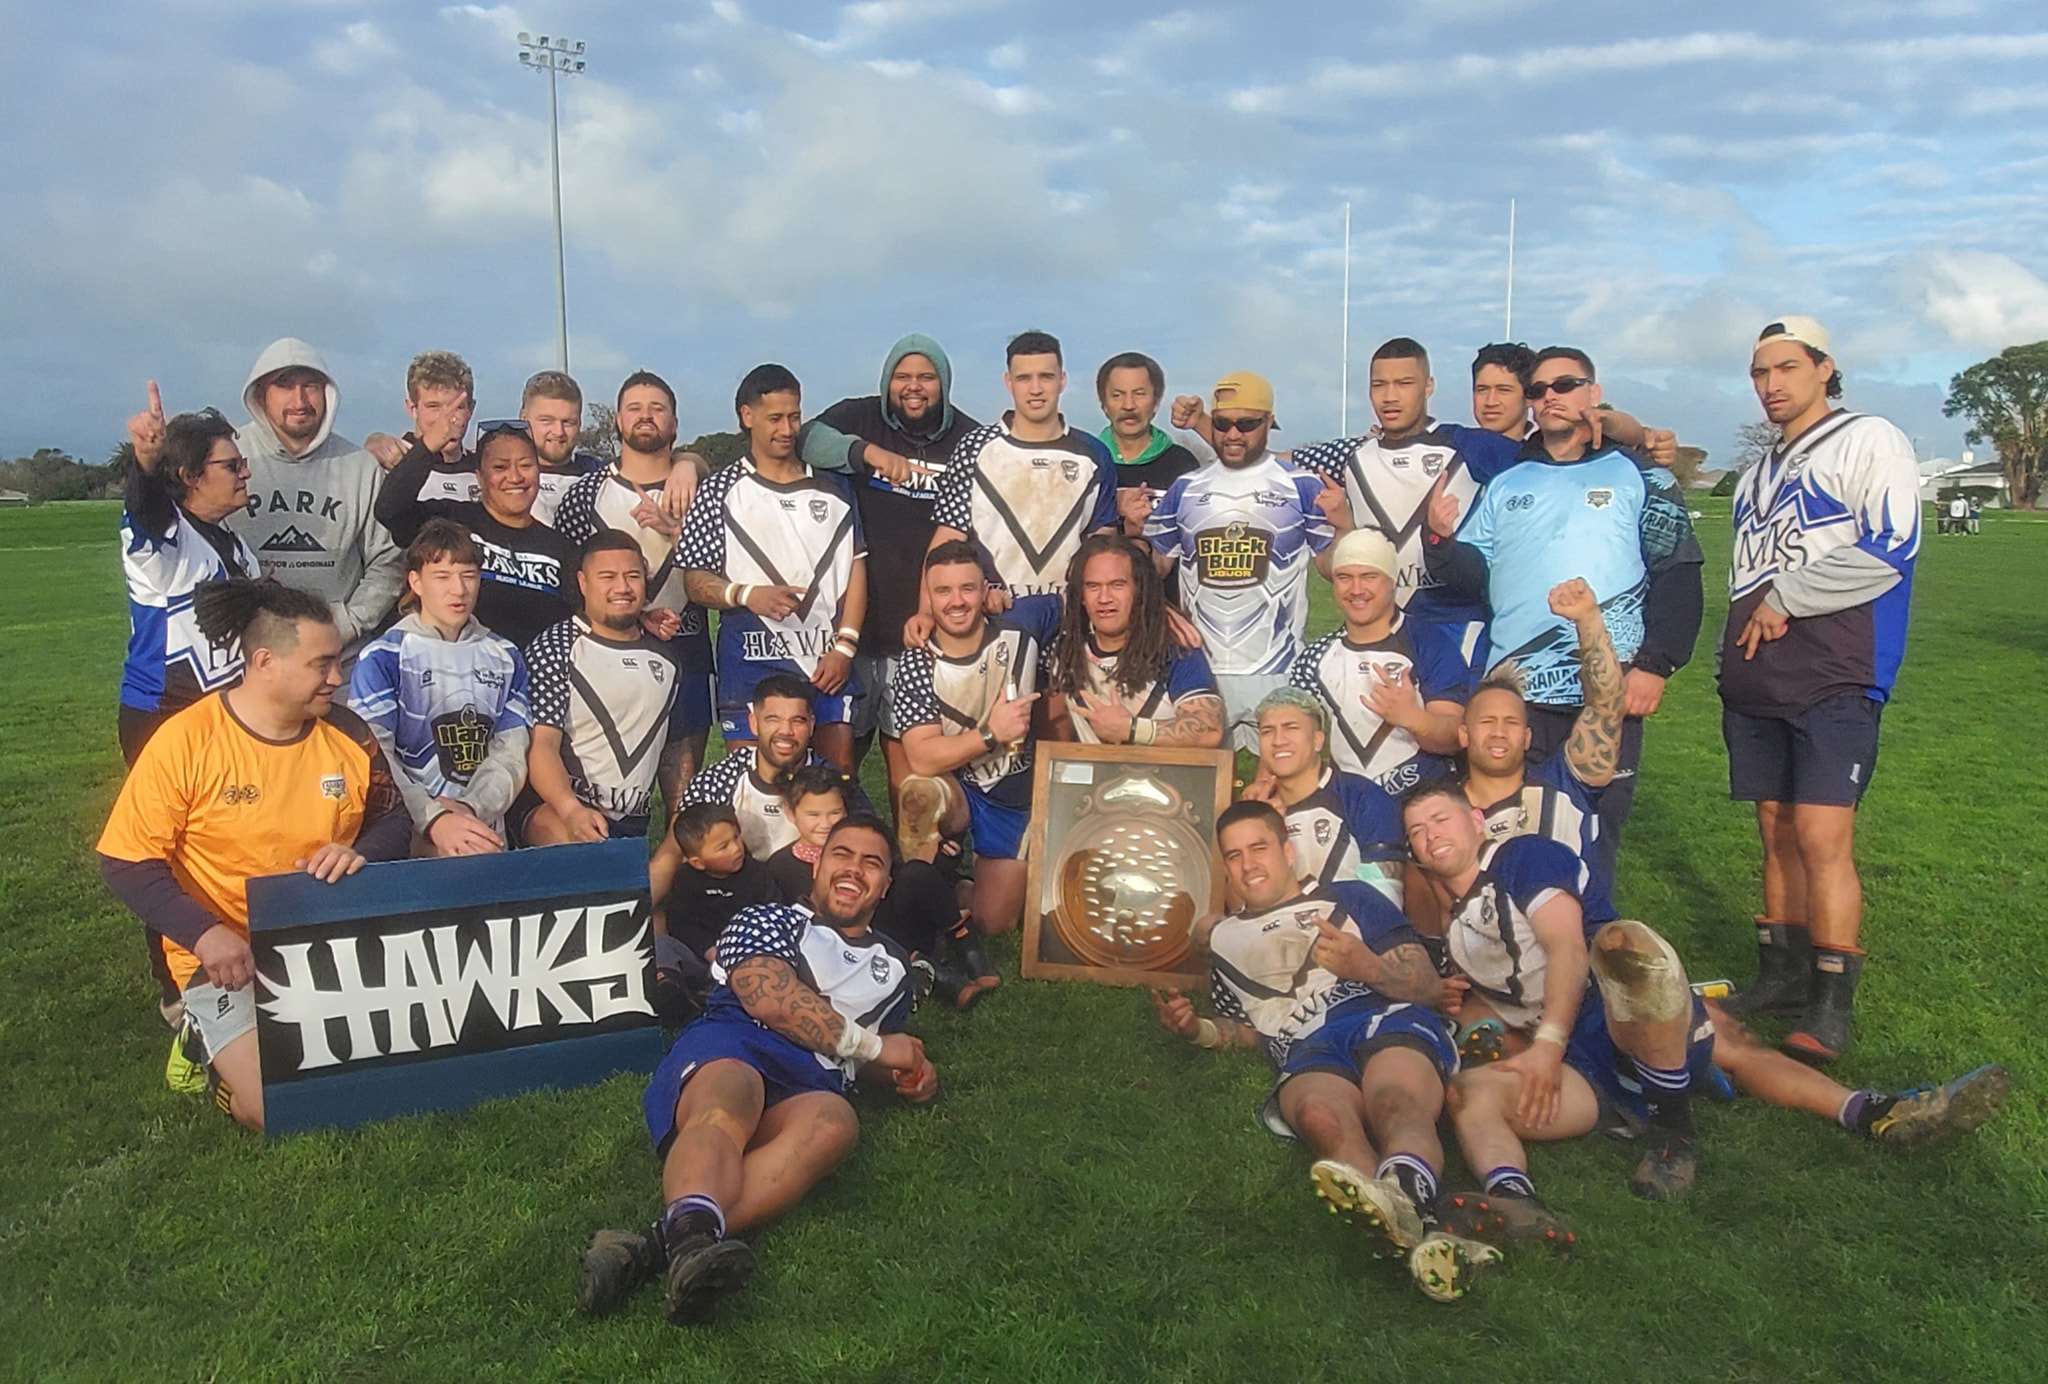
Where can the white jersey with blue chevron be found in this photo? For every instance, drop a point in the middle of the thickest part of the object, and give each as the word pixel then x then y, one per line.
pixel 736 781
pixel 441 700
pixel 1388 485
pixel 1554 804
pixel 1348 830
pixel 1489 935
pixel 170 664
pixel 610 700
pixel 1261 972
pixel 957 694
pixel 865 978
pixel 1185 678
pixel 755 531
pixel 1029 504
pixel 556 483
pixel 1608 519
pixel 1245 538
pixel 604 500
pixel 1340 674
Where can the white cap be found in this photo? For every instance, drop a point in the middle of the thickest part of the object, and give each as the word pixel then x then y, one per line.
pixel 1804 330
pixel 1366 548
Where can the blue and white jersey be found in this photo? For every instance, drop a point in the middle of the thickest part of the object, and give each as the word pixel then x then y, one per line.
pixel 1339 673
pixel 1608 519
pixel 865 977
pixel 1187 677
pixel 1489 934
pixel 1261 974
pixel 440 701
pixel 755 531
pixel 170 664
pixel 555 485
pixel 1349 831
pixel 1029 504
pixel 1831 525
pixel 1388 485
pixel 600 500
pixel 1245 538
pixel 957 694
pixel 736 781
pixel 610 700
pixel 1556 805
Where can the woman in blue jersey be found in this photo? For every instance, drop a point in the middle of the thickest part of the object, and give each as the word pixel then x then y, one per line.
pixel 188 476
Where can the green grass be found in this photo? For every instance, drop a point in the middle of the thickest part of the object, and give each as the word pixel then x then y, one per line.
pixel 1089 1199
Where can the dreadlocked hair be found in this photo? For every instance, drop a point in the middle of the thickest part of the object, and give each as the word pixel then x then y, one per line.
pixel 260 613
pixel 1148 648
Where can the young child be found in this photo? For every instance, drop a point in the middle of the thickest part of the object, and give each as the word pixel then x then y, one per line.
pixel 814 797
pixel 716 880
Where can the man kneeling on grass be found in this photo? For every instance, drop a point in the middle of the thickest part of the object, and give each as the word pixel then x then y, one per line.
pixel 748 1111
pixel 1336 988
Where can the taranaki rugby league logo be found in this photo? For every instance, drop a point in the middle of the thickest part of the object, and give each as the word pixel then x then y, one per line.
pixel 1070 468
pixel 819 510
pixel 1433 463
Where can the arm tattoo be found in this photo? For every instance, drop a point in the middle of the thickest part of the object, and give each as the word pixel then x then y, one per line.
pixel 1594 749
pixel 1198 721
pixel 771 992
pixel 1405 972
pixel 704 588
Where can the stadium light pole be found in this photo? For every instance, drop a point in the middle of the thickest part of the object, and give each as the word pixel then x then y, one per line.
pixel 1344 354
pixel 554 55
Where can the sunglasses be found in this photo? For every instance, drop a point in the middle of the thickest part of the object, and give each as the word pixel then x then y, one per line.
pixel 503 425
pixel 1563 384
pixel 1243 425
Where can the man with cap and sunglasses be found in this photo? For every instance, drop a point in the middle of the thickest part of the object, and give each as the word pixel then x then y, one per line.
pixel 1243 534
pixel 1576 505
pixel 1827 531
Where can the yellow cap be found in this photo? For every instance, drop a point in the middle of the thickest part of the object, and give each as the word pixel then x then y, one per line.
pixel 1242 389
pixel 1804 330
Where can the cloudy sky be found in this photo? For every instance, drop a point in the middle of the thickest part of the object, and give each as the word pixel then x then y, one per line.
pixel 804 182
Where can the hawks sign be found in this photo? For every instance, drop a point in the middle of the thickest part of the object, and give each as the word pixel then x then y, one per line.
pixel 435 984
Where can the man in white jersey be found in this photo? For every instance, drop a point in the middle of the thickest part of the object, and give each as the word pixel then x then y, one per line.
pixel 750 777
pixel 446 699
pixel 644 494
pixel 1395 687
pixel 1115 673
pixel 1827 534
pixel 779 548
pixel 1341 996
pixel 1028 489
pixel 602 689
pixel 1244 534
pixel 1340 826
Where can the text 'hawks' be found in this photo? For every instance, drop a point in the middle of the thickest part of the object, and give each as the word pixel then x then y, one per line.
pixel 515 964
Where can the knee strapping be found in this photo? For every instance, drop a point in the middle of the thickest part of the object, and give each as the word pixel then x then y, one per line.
pixel 723 1122
pixel 1641 978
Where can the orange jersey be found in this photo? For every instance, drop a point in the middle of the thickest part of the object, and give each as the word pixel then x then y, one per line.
pixel 221 804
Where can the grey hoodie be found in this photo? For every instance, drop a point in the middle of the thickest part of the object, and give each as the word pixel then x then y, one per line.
pixel 312 518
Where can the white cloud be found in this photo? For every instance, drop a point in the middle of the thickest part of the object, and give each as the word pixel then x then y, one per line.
pixel 1007 57
pixel 357 48
pixel 1983 301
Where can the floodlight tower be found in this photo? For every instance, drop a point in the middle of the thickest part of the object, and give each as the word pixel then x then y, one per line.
pixel 554 55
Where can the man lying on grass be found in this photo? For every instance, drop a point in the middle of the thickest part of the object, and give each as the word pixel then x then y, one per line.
pixel 748 1111
pixel 1622 1054
pixel 1336 988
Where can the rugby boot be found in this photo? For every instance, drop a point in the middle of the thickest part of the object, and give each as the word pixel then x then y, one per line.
pixel 183 1071
pixel 1668 1169
pixel 613 1264
pixel 1445 1266
pixel 920 806
pixel 1822 1033
pixel 1919 1116
pixel 974 958
pixel 1482 1043
pixel 1378 1202
pixel 1507 1218
pixel 1784 972
pixel 701 1270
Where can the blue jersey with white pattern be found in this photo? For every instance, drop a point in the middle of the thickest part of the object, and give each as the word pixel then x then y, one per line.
pixel 934 688
pixel 1556 805
pixel 441 700
pixel 864 976
pixel 1608 519
pixel 1490 936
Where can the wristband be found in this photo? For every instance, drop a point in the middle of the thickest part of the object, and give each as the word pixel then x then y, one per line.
pixel 988 741
pixel 849 634
pixel 844 648
pixel 1550 1033
pixel 731 594
pixel 1207 1035
pixel 1144 730
pixel 744 592
pixel 858 1042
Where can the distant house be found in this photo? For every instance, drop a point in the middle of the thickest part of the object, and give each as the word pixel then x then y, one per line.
pixel 1943 474
pixel 1705 480
pixel 13 499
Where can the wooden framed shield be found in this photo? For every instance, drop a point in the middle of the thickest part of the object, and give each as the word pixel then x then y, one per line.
pixel 1122 861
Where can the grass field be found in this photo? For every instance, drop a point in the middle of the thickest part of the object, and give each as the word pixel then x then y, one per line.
pixel 1089 1199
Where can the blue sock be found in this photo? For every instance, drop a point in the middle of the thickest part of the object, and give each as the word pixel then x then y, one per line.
pixel 1509 1181
pixel 691 1215
pixel 1415 1178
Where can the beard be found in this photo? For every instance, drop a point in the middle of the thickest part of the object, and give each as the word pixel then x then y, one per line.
pixel 612 620
pixel 648 442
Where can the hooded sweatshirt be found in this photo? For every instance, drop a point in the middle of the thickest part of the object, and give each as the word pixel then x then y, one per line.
pixel 312 518
pixel 897 520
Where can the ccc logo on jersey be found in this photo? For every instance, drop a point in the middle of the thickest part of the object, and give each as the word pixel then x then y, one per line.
pixel 1233 556
pixel 240 794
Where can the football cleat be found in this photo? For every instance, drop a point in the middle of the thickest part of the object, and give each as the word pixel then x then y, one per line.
pixel 184 1073
pixel 702 1270
pixel 1668 1169
pixel 1379 1202
pixel 1926 1113
pixel 613 1264
pixel 1445 1266
pixel 1481 1043
pixel 1507 1219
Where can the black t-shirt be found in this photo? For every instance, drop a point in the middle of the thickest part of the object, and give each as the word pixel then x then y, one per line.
pixel 699 905
pixel 791 874
pixel 919 908
pixel 897 520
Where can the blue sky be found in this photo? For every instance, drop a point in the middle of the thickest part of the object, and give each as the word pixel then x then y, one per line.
pixel 803 183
